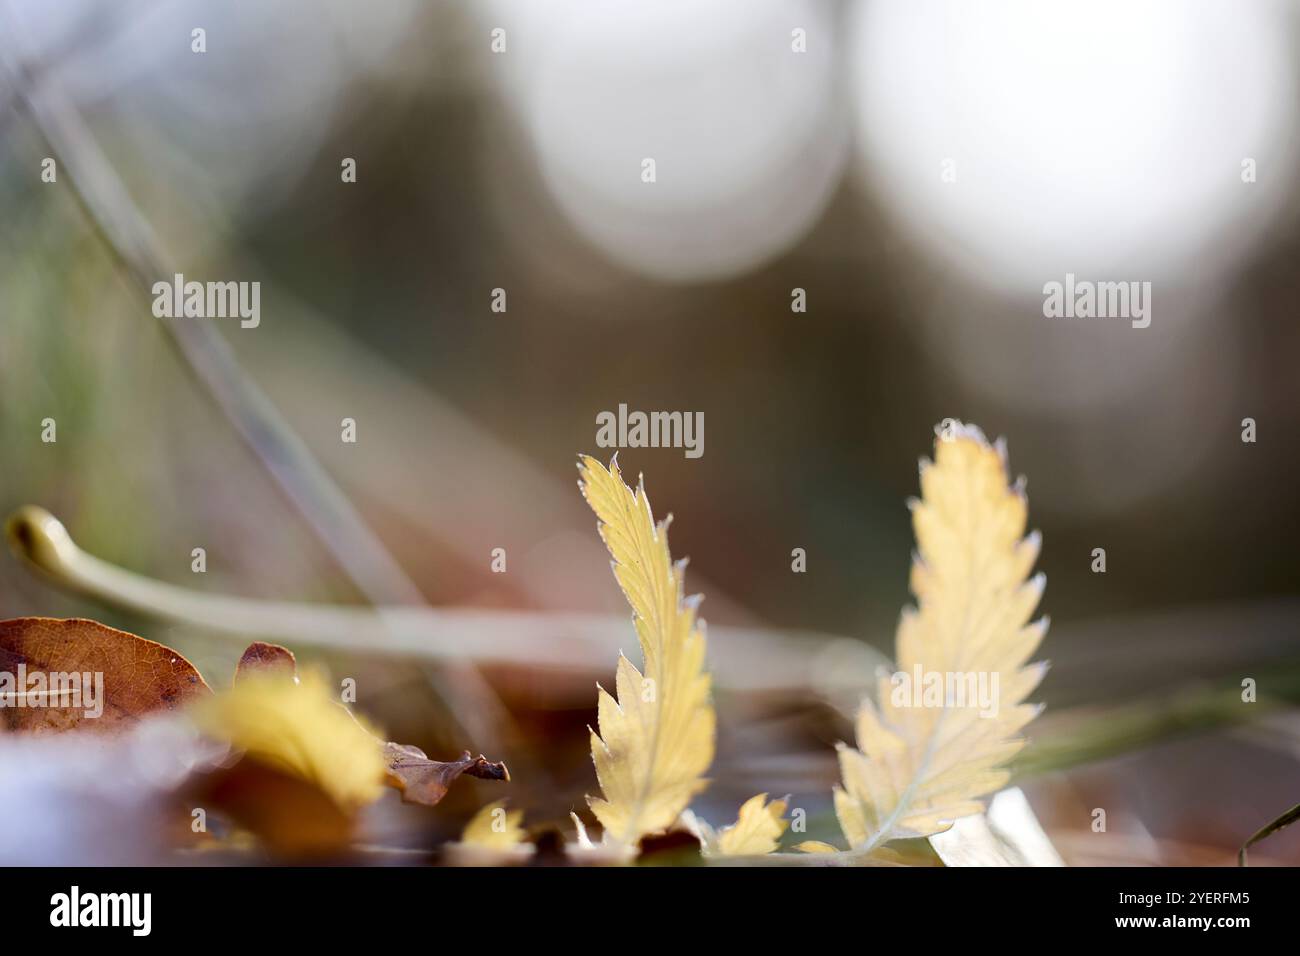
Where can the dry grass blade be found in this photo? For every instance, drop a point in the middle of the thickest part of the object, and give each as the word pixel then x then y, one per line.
pixel 1281 823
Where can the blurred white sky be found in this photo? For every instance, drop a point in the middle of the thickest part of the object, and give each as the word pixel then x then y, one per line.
pixel 1095 136
pixel 746 135
pixel 1101 137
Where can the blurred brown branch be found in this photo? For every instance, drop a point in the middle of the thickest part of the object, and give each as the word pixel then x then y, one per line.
pixel 743 658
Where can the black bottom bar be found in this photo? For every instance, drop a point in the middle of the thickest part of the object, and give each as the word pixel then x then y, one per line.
pixel 512 907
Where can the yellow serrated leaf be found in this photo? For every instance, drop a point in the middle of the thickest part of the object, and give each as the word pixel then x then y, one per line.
pixel 655 741
pixel 948 720
pixel 300 728
pixel 757 829
pixel 494 827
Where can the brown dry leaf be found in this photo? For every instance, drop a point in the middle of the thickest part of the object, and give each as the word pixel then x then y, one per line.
pixel 127 676
pixel 425 781
pixel 261 657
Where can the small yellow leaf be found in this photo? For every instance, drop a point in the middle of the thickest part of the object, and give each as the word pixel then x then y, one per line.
pixel 494 827
pixel 757 830
pixel 815 846
pixel 655 741
pixel 300 729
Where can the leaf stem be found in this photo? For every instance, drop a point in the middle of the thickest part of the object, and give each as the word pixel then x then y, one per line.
pixel 746 659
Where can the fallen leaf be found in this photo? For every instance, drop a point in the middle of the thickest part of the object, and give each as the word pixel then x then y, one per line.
pixel 494 827
pixel 58 675
pixel 290 815
pixel 493 837
pixel 425 781
pixel 406 768
pixel 260 658
pixel 298 728
pixel 756 832
pixel 757 829
pixel 815 846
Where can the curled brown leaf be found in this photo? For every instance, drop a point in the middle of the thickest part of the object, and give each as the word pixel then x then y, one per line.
pixel 425 781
